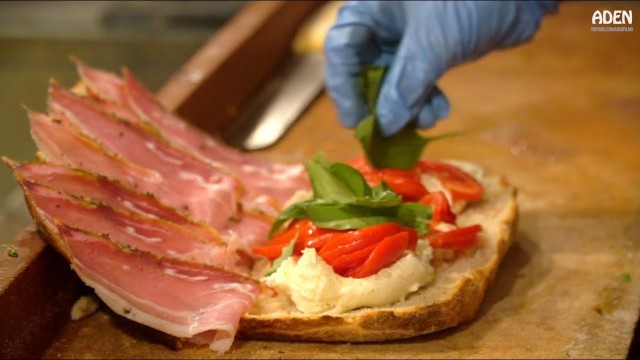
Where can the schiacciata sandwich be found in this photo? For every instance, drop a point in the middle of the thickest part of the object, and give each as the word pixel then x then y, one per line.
pixel 394 279
pixel 177 231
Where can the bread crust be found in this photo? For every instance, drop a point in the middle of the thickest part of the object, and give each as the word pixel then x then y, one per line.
pixel 454 297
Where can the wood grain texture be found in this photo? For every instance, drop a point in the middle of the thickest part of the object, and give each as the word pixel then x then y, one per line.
pixel 37 289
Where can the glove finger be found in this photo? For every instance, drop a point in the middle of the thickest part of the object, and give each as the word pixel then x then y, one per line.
pixel 348 45
pixel 420 60
pixel 436 108
pixel 426 117
pixel 440 103
pixel 356 39
pixel 342 68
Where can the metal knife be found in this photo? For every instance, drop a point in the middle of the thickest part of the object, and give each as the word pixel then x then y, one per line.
pixel 279 104
pixel 286 96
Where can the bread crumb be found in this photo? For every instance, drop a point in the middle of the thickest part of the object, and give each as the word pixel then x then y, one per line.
pixel 84 306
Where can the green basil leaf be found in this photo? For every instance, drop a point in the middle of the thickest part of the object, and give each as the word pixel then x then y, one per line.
pixel 352 178
pixel 415 215
pixel 343 200
pixel 401 150
pixel 294 211
pixel 325 184
pixel 370 83
pixel 287 251
pixel 382 195
pixel 348 217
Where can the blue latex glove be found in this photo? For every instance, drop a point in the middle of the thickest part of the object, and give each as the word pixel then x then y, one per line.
pixel 419 41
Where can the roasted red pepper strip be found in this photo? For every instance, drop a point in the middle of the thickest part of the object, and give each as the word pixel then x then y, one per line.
pixel 269 251
pixel 441 211
pixel 406 183
pixel 456 239
pixel 349 261
pixel 460 184
pixel 388 251
pixel 370 174
pixel 308 235
pixel 317 242
pixel 357 239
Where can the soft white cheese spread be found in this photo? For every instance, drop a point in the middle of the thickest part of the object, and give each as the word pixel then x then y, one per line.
pixel 313 286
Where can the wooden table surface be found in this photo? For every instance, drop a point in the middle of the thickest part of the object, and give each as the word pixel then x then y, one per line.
pixel 560 116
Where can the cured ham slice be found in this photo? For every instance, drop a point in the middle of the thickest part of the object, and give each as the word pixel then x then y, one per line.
pixel 99 83
pixel 277 180
pixel 182 299
pixel 246 233
pixel 209 193
pixel 160 237
pixel 103 190
pixel 58 143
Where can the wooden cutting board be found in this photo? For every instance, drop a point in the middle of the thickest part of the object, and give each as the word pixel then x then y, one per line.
pixel 560 117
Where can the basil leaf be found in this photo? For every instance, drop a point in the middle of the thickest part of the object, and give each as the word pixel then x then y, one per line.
pixel 392 199
pixel 348 217
pixel 295 211
pixel 415 215
pixel 325 184
pixel 287 251
pixel 352 178
pixel 401 150
pixel 370 83
pixel 343 200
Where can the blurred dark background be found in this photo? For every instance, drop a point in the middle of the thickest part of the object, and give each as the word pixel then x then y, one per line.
pixel 36 38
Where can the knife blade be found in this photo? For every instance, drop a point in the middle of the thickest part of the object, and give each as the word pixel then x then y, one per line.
pixel 290 91
pixel 279 104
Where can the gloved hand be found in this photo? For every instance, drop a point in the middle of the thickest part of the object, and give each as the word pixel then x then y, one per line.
pixel 419 41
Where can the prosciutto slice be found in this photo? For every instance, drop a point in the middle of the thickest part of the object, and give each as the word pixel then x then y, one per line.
pixel 59 142
pixel 160 237
pixel 212 202
pixel 180 298
pixel 277 180
pixel 132 263
pixel 209 193
pixel 102 190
